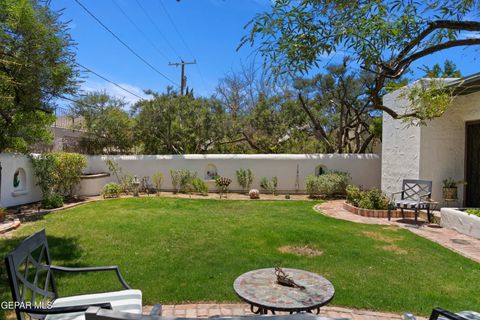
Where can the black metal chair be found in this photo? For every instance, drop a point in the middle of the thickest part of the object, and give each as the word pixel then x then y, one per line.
pixel 414 196
pixel 439 313
pixel 34 292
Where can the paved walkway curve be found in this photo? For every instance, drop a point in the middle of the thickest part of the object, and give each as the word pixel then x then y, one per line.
pixel 203 310
pixel 466 246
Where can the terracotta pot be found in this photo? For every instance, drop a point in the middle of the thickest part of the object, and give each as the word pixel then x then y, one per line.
pixel 450 193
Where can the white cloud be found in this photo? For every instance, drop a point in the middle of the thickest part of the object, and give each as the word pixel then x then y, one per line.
pixel 116 91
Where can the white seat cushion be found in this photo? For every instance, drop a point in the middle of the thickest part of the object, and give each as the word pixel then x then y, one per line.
pixel 129 301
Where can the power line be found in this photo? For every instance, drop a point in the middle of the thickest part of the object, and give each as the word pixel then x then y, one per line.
pixel 157 28
pixel 110 81
pixel 140 30
pixel 184 43
pixel 123 43
pixel 176 29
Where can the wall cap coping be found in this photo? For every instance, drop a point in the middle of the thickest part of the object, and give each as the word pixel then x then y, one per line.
pixel 317 156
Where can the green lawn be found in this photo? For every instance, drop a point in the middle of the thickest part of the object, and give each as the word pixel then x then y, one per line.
pixel 182 250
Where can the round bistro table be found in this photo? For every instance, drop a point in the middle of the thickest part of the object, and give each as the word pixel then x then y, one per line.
pixel 260 289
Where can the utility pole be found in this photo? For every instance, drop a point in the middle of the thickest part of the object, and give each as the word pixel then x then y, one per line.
pixel 183 80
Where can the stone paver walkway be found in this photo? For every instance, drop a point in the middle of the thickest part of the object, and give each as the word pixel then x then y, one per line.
pixel 466 246
pixel 209 310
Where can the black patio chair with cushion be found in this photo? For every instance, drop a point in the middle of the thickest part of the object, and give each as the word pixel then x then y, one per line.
pixel 415 195
pixel 35 295
pixel 442 314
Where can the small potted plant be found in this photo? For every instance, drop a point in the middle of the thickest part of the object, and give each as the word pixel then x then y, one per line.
pixel 450 188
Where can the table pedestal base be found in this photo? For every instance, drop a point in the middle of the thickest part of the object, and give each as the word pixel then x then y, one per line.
pixel 262 310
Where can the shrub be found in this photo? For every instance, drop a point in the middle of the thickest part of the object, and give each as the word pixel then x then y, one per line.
pixel 373 199
pixel 223 183
pixel 58 172
pixel 175 175
pixel 354 194
pixel 69 167
pixel 182 180
pixel 186 180
pixel 157 179
pixel 52 201
pixel 474 211
pixel 111 190
pixel 124 178
pixel 245 178
pixel 269 185
pixel 200 186
pixel 328 184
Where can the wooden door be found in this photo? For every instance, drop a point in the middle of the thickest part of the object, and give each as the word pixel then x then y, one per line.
pixel 472 164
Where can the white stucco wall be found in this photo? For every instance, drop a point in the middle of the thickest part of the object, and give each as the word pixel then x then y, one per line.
pixel 27 192
pixel 443 144
pixel 400 147
pixel 364 169
pixel 438 148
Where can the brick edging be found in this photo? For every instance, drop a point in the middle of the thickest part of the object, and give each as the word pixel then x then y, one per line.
pixel 375 213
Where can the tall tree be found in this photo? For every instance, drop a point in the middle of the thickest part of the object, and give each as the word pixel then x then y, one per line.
pixel 172 124
pixel 384 36
pixel 107 128
pixel 339 112
pixel 36 66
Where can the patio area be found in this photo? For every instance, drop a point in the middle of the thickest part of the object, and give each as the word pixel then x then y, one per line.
pixel 467 246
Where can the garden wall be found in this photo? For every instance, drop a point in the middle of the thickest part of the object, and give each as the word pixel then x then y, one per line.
pixel 364 169
pixel 17 181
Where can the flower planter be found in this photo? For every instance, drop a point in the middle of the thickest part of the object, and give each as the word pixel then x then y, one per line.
pixel 460 221
pixel 92 184
pixel 450 193
pixel 375 213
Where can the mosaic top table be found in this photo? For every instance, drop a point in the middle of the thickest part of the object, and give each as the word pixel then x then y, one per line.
pixel 260 289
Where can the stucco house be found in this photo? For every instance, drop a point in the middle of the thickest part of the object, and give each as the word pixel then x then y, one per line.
pixel 448 146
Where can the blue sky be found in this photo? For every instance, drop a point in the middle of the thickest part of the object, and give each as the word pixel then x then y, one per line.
pixel 211 30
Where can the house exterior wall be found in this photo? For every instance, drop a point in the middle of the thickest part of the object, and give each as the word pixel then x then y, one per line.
pixel 432 152
pixel 400 147
pixel 442 150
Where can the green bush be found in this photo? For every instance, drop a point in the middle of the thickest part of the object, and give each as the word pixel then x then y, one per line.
pixel 182 180
pixel 175 175
pixel 354 194
pixel 58 172
pixel 328 184
pixel 474 211
pixel 373 199
pixel 200 186
pixel 124 178
pixel 52 201
pixel 245 178
pixel 269 185
pixel 111 190
pixel 157 179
